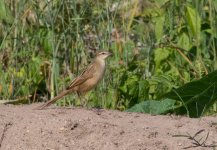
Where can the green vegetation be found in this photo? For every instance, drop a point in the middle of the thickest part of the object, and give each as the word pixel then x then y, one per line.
pixel 163 50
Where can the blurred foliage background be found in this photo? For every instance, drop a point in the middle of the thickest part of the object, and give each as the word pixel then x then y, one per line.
pixel 163 50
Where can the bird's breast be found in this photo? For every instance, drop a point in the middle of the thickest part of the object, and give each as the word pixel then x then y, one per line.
pixel 96 78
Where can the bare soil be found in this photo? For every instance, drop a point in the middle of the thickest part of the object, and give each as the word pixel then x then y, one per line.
pixel 55 128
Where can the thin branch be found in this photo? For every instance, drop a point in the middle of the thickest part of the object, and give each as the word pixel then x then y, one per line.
pixel 4 131
pixel 195 142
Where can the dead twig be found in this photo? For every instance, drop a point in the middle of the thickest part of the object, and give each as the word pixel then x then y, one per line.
pixel 6 126
pixel 195 141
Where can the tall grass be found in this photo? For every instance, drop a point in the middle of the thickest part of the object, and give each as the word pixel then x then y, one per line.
pixel 157 44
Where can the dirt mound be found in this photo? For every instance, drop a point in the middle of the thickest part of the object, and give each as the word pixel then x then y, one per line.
pixel 22 127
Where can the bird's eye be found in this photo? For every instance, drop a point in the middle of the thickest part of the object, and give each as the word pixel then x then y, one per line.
pixel 103 53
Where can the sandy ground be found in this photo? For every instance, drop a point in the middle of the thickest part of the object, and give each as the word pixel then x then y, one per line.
pixel 23 128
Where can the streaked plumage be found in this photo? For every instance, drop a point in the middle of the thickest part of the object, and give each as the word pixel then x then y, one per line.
pixel 88 79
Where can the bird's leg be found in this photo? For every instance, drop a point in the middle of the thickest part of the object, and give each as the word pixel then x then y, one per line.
pixel 83 100
pixel 79 96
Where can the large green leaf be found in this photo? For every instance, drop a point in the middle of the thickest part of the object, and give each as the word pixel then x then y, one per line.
pixel 194 21
pixel 153 106
pixel 196 96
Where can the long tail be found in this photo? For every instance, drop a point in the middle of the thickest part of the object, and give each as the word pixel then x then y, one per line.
pixel 48 103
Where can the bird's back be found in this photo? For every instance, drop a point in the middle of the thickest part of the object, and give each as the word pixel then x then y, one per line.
pixel 89 78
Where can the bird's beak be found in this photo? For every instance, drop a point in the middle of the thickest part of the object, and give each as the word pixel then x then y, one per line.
pixel 110 54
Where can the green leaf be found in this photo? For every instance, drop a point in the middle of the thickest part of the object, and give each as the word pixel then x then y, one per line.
pixel 159 26
pixel 160 54
pixel 197 96
pixel 143 89
pixel 194 21
pixel 46 37
pixel 184 41
pixel 153 106
pixel 130 84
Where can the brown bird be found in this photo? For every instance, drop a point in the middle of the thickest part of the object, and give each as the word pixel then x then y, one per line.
pixel 88 79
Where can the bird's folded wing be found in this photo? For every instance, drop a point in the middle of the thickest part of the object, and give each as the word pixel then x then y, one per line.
pixel 86 74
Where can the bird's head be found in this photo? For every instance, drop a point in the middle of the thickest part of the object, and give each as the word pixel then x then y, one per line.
pixel 103 55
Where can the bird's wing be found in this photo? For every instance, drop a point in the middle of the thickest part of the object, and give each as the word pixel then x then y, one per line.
pixel 85 75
